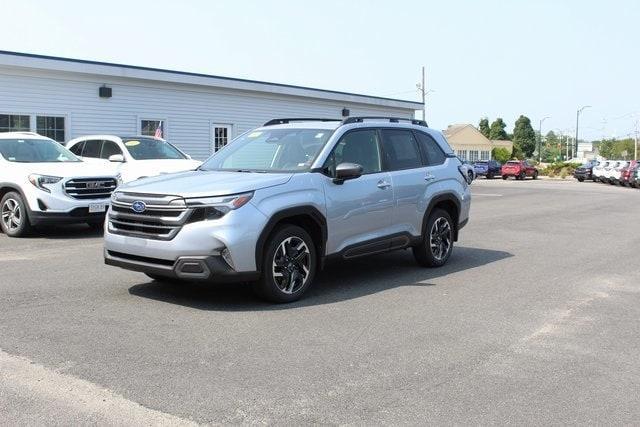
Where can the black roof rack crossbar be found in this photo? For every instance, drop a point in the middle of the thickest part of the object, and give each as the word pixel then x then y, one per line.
pixel 361 119
pixel 297 119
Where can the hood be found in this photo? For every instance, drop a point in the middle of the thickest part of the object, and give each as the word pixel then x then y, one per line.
pixel 205 183
pixel 69 169
pixel 155 167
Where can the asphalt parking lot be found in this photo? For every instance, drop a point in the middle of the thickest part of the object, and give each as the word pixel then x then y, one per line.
pixel 535 320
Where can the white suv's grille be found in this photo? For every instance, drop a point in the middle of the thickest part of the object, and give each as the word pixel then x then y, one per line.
pixel 156 217
pixel 90 188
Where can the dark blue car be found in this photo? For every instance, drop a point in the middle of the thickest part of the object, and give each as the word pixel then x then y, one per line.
pixel 487 168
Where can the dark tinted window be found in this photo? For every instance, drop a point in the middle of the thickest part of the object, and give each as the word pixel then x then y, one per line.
pixel 361 147
pixel 400 149
pixel 109 148
pixel 92 148
pixel 77 149
pixel 431 151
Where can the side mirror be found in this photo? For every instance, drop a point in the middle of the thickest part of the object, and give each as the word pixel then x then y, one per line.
pixel 345 171
pixel 116 158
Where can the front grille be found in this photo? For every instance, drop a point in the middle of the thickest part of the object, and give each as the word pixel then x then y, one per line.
pixel 162 218
pixel 90 188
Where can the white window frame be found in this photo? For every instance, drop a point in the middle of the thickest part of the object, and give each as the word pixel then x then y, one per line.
pixel 212 126
pixel 165 125
pixel 463 154
pixel 33 119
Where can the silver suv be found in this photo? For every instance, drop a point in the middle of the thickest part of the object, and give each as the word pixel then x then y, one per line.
pixel 272 206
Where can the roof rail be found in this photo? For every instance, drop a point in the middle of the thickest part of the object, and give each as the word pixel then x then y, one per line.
pixel 297 119
pixel 361 119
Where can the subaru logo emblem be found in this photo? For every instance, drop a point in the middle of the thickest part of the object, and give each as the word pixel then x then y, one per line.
pixel 138 206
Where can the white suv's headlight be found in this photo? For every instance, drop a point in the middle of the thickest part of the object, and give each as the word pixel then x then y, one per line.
pixel 217 207
pixel 41 181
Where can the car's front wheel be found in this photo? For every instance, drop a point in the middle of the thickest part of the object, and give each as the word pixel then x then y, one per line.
pixel 14 220
pixel 289 265
pixel 535 175
pixel 437 243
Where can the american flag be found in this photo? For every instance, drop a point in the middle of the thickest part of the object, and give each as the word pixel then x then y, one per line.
pixel 158 133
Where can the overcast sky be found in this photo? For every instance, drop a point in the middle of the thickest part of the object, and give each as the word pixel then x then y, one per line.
pixel 484 58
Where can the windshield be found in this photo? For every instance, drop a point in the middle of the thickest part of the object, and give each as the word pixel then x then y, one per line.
pixel 482 163
pixel 35 151
pixel 513 162
pixel 152 149
pixel 270 150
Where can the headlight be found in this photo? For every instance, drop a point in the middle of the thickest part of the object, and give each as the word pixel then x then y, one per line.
pixel 217 207
pixel 118 180
pixel 41 181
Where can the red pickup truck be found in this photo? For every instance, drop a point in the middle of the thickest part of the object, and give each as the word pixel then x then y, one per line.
pixel 519 169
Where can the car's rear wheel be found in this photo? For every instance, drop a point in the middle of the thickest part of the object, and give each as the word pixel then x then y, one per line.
pixel 14 220
pixel 289 265
pixel 535 175
pixel 437 243
pixel 580 179
pixel 489 176
pixel 504 177
pixel 522 176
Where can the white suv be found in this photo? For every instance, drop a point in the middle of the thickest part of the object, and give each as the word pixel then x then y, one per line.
pixel 41 182
pixel 133 157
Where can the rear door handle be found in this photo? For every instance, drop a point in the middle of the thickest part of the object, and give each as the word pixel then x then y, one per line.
pixel 383 184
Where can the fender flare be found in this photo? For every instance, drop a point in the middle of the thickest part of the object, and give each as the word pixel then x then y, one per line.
pixel 444 197
pixel 17 189
pixel 310 211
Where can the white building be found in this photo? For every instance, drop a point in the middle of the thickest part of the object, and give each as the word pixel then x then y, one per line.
pixel 66 98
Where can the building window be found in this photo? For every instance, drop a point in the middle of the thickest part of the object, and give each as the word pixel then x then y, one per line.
pixel 221 136
pixel 14 123
pixel 485 155
pixel 51 127
pixel 462 154
pixel 155 128
pixel 473 155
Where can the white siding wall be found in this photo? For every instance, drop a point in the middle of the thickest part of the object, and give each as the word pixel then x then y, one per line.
pixel 189 109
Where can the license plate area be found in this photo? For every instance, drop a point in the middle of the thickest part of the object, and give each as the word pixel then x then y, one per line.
pixel 97 207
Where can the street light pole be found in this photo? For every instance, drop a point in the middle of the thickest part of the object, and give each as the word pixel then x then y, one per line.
pixel 540 139
pixel 575 153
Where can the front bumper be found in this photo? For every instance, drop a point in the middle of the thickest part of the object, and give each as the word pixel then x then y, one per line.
pixel 76 215
pixel 582 175
pixel 209 268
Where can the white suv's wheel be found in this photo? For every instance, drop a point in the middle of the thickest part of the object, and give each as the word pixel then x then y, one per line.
pixel 13 219
pixel 437 243
pixel 289 265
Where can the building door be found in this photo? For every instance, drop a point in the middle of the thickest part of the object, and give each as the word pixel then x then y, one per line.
pixel 221 135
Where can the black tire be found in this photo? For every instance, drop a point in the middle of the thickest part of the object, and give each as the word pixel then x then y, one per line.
pixel 580 179
pixel 439 235
pixel 489 176
pixel 288 252
pixel 535 175
pixel 504 177
pixel 522 176
pixel 14 220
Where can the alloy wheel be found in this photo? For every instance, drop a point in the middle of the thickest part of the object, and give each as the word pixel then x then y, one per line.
pixel 440 238
pixel 291 265
pixel 11 214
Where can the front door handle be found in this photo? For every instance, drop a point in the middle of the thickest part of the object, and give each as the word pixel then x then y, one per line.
pixel 429 177
pixel 383 184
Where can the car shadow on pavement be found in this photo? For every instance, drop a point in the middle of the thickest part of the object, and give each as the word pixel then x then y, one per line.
pixel 339 281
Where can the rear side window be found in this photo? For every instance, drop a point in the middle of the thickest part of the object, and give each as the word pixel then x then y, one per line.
pixel 431 151
pixel 400 149
pixel 77 149
pixel 92 148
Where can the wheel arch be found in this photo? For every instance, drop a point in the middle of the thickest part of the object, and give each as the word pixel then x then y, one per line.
pixel 450 203
pixel 307 217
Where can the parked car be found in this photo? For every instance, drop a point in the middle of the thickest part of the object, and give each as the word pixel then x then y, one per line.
pixel 487 168
pixel 609 171
pixel 41 182
pixel 585 171
pixel 628 174
pixel 519 169
pixel 597 174
pixel 133 157
pixel 279 201
pixel 615 176
pixel 468 167
pixel 634 180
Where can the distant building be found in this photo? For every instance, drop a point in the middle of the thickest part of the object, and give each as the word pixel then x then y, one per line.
pixel 469 144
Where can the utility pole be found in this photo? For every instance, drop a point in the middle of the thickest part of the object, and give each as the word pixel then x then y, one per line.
pixel 540 139
pixel 575 153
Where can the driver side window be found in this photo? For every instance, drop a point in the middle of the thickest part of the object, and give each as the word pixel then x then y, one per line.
pixel 359 146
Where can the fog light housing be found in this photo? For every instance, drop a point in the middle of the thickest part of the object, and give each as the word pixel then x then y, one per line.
pixel 226 256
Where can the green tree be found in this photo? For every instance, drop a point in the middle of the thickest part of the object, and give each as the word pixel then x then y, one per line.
pixel 500 154
pixel 551 148
pixel 616 149
pixel 483 127
pixel 524 137
pixel 497 130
